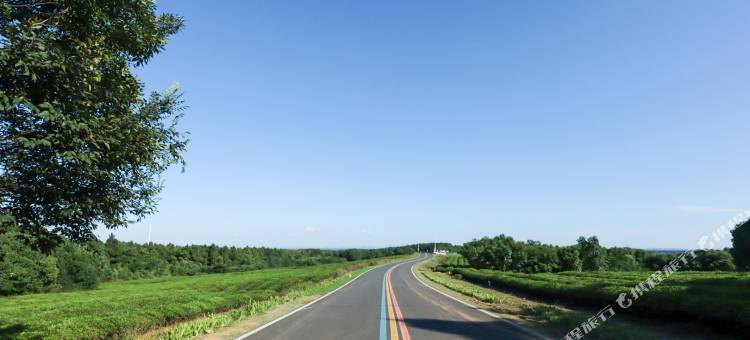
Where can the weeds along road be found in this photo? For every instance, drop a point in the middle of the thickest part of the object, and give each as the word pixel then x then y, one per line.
pixel 389 303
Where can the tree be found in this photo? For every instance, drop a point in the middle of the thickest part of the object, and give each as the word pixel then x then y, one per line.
pixel 622 260
pixel 540 258
pixel 570 259
pixel 498 252
pixel 80 145
pixel 472 252
pixel 491 253
pixel 741 246
pixel 593 256
pixel 79 268
pixel 712 260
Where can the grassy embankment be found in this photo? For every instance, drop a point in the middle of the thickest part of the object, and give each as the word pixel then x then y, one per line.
pixel 718 299
pixel 205 302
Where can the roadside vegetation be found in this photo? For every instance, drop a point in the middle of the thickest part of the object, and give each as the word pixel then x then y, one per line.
pixel 710 287
pixel 125 309
pixel 545 316
pixel 716 299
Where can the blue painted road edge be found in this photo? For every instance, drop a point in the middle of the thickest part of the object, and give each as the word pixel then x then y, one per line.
pixel 383 319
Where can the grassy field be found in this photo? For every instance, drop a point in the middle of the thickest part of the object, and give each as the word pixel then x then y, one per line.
pixel 124 309
pixel 719 299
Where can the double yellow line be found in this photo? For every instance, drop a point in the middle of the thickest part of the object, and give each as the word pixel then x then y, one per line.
pixel 395 317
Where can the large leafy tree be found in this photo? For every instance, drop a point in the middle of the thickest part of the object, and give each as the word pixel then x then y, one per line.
pixel 80 144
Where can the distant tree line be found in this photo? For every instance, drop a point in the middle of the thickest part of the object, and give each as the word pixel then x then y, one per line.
pixel 506 254
pixel 83 265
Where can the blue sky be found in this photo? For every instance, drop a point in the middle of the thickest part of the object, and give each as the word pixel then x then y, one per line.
pixel 365 124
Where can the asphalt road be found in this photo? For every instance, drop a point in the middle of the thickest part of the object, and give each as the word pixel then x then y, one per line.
pixel 389 303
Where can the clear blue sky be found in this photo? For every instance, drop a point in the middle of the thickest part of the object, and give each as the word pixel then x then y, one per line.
pixel 377 123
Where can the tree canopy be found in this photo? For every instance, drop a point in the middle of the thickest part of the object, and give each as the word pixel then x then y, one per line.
pixel 593 256
pixel 80 144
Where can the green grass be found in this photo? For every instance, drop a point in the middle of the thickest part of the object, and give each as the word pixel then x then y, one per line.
pixel 720 299
pixel 123 309
pixel 463 288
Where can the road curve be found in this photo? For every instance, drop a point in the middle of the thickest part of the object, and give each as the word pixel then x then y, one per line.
pixel 389 303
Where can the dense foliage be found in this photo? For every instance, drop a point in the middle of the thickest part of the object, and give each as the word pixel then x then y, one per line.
pixel 714 298
pixel 80 145
pixel 593 256
pixel 741 245
pixel 79 267
pixel 22 269
pixel 506 254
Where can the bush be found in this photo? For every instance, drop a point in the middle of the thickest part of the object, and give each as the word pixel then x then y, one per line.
pixel 22 269
pixel 79 267
pixel 712 260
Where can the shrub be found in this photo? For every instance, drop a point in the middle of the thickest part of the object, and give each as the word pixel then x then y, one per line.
pixel 79 267
pixel 22 269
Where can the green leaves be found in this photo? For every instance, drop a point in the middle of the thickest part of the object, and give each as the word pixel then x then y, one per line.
pixel 33 143
pixel 80 145
pixel 22 269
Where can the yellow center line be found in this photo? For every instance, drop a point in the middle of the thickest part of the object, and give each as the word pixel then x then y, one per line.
pixel 399 317
pixel 391 318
